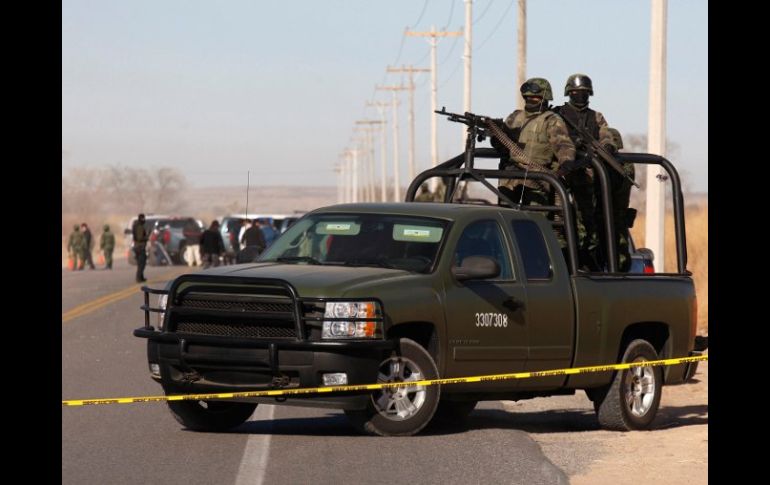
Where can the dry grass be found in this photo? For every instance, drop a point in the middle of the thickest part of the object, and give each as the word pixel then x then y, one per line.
pixel 696 226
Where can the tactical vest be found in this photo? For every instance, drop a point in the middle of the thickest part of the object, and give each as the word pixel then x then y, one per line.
pixel 585 119
pixel 533 135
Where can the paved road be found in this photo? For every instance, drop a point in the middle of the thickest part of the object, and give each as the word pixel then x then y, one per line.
pixel 142 443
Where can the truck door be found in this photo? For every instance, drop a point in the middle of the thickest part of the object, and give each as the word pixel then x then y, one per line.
pixel 486 321
pixel 550 308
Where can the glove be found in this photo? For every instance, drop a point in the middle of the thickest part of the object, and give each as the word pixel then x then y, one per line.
pixel 610 148
pixel 570 166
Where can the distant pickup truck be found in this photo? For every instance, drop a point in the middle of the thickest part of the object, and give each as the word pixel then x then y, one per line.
pixel 400 292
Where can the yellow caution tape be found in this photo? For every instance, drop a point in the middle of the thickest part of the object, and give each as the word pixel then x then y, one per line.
pixel 384 385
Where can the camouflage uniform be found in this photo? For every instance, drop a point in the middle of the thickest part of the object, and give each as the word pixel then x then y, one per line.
pixel 623 216
pixel 545 140
pixel 76 247
pixel 425 194
pixel 107 245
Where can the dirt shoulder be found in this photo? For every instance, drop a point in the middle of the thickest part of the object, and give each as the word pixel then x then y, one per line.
pixel 674 451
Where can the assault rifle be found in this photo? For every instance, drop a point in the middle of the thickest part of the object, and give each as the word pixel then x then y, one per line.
pixel 599 150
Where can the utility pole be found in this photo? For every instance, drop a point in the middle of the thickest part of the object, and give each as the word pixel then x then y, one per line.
pixel 383 188
pixel 343 177
pixel 396 179
pixel 467 62
pixel 368 131
pixel 354 152
pixel 656 136
pixel 338 171
pixel 411 70
pixel 433 35
pixel 522 50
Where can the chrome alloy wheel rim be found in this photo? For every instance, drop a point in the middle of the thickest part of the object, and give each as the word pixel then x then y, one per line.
pixel 403 402
pixel 639 388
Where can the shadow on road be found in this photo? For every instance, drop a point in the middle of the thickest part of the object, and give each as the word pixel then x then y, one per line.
pixel 553 421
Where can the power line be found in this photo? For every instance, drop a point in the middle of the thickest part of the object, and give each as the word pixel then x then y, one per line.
pixel 424 6
pixel 451 49
pixel 484 12
pixel 499 22
pixel 451 12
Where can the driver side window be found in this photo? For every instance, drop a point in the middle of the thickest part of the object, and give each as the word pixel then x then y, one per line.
pixel 484 238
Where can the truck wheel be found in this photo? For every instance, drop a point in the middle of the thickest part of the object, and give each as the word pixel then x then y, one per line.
pixel 401 411
pixel 632 399
pixel 211 415
pixel 451 412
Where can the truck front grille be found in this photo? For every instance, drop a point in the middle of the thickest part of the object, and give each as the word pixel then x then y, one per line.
pixel 239 329
pixel 260 311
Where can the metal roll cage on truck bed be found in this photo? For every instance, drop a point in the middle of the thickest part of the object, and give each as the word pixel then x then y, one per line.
pixel 461 168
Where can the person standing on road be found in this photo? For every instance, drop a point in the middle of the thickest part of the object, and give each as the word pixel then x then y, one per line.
pixel 107 245
pixel 268 231
pixel 139 233
pixel 253 242
pixel 193 245
pixel 212 245
pixel 75 248
pixel 88 246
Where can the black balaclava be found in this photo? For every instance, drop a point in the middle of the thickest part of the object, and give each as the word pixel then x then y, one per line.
pixel 579 98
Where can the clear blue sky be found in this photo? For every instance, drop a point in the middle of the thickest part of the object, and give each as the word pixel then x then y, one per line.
pixel 217 88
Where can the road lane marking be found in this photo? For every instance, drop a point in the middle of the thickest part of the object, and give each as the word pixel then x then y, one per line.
pixel 254 461
pixel 105 300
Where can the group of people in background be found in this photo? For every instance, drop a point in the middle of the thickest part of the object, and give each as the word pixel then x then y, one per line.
pixel 81 243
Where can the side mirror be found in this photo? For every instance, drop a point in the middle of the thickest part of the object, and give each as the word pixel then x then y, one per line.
pixel 476 268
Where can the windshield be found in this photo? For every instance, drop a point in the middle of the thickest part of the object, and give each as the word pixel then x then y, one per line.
pixel 401 242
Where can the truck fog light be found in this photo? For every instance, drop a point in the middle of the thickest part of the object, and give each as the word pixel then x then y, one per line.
pixel 154 369
pixel 335 379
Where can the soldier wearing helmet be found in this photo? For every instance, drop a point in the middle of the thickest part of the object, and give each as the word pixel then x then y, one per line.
pixel 107 245
pixel 579 87
pixel 542 135
pixel 425 194
pixel 76 246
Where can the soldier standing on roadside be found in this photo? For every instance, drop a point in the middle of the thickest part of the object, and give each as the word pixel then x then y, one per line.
pixel 75 248
pixel 139 233
pixel 107 245
pixel 88 246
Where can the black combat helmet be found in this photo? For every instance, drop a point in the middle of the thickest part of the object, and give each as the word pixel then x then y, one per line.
pixel 578 82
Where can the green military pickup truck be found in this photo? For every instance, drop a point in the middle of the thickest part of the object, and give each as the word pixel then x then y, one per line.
pixel 399 292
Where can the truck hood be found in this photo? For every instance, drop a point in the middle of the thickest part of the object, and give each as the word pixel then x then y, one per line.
pixel 313 280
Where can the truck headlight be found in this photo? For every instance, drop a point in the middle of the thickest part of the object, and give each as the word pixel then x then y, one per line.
pixel 336 329
pixel 162 301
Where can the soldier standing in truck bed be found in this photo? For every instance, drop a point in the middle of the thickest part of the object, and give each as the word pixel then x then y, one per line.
pixel 586 189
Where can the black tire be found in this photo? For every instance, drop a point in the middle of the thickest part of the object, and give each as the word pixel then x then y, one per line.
pixel 383 416
pixel 211 415
pixel 643 386
pixel 453 412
